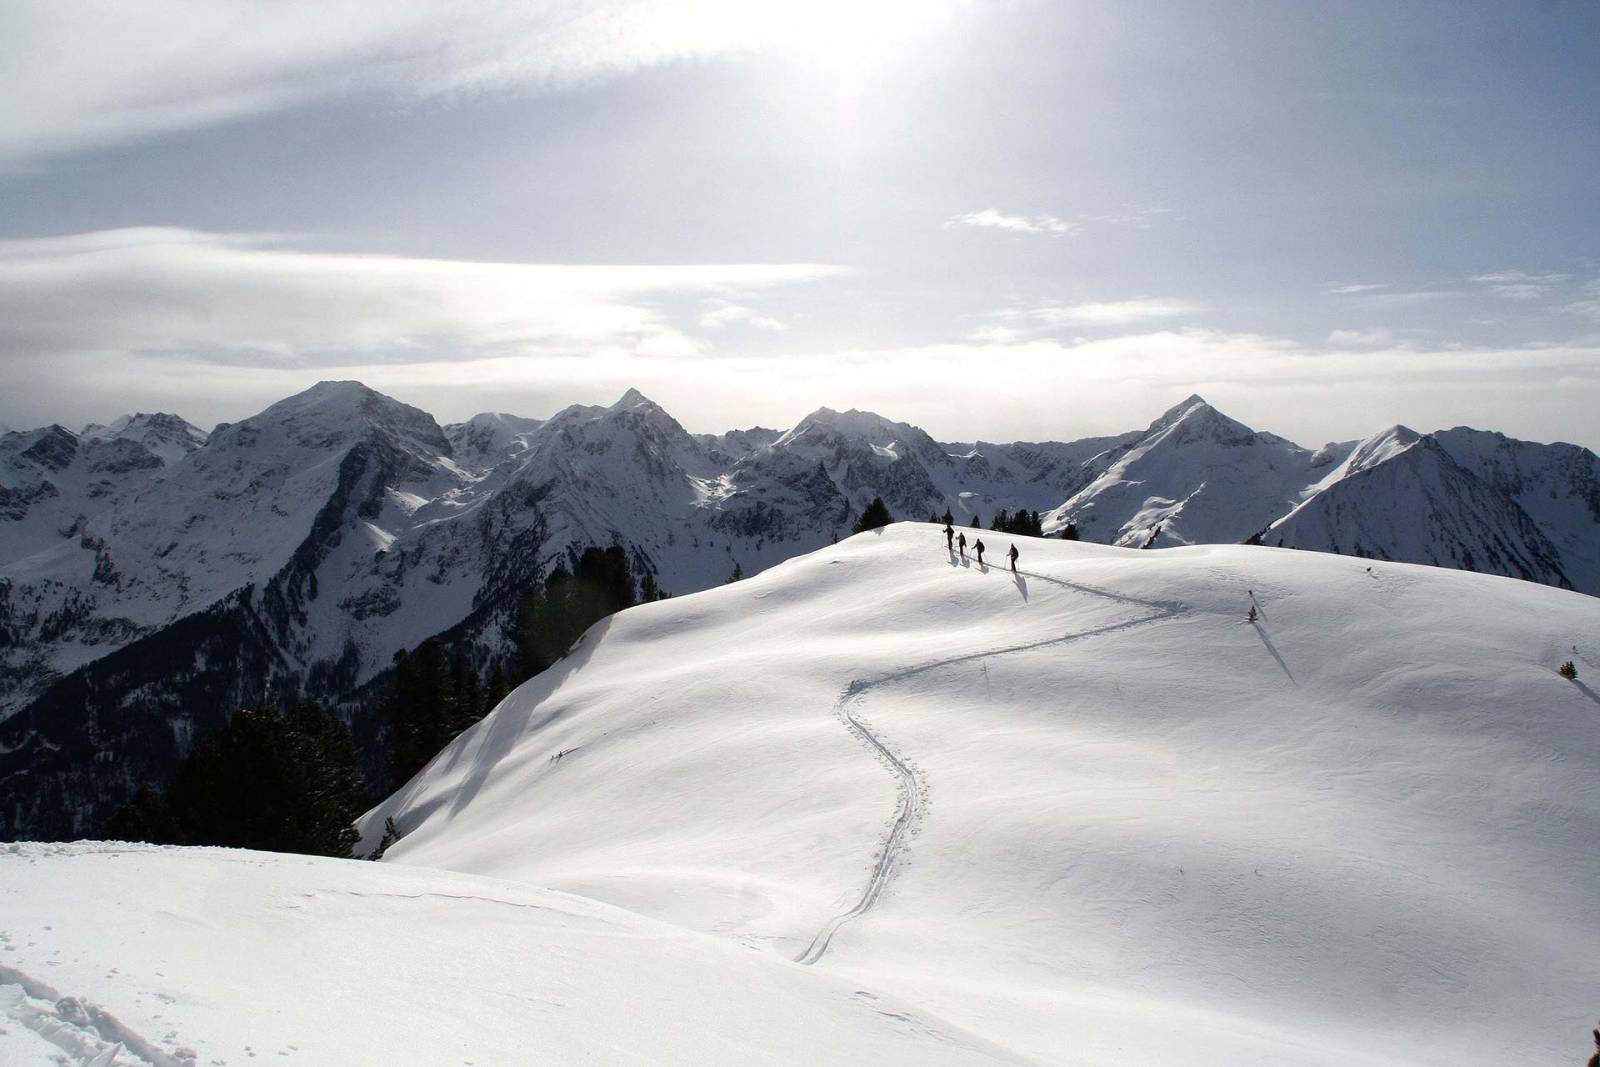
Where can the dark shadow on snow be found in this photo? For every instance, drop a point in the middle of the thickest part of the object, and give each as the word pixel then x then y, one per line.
pixel 1265 640
pixel 1590 693
pixel 507 726
pixel 1022 584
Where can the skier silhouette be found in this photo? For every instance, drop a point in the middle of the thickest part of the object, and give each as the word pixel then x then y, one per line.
pixel 961 539
pixel 949 536
pixel 977 546
pixel 1013 554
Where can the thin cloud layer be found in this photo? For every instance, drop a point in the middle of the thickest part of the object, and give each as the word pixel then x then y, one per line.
pixel 251 300
pixel 98 73
pixel 991 219
pixel 1520 285
pixel 1117 312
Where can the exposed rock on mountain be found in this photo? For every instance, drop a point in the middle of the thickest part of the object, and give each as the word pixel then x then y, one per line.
pixel 153 577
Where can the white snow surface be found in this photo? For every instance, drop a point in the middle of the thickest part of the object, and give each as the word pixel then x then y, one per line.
pixel 145 957
pixel 882 805
pixel 1089 812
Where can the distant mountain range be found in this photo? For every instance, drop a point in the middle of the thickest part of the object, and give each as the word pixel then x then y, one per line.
pixel 153 576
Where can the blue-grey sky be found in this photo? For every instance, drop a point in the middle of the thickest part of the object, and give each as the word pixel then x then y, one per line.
pixel 995 219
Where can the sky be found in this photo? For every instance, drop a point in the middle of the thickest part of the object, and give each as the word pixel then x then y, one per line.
pixel 997 220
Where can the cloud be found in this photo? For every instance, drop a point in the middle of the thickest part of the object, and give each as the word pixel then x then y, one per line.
pixel 252 300
pixel 1116 312
pixel 724 314
pixel 1361 338
pixel 1350 288
pixel 98 73
pixel 1139 216
pixel 1589 303
pixel 1519 285
pixel 991 219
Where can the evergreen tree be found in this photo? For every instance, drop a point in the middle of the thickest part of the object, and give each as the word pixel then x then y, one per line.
pixel 391 834
pixel 874 517
pixel 737 575
pixel 1001 521
pixel 1069 532
pixel 977 522
pixel 949 519
pixel 550 619
pixel 495 689
pixel 269 780
pixel 144 818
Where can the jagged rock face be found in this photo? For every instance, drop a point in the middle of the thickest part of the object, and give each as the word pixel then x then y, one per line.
pixel 170 575
pixel 53 480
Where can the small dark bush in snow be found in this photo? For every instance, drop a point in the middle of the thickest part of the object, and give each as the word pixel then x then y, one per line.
pixel 1568 671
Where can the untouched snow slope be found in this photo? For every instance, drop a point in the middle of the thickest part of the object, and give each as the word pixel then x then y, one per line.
pixel 1087 812
pixel 140 957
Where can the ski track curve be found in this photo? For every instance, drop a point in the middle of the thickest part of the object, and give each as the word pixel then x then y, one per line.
pixel 910 784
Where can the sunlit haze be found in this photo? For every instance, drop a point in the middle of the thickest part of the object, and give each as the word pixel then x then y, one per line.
pixel 995 220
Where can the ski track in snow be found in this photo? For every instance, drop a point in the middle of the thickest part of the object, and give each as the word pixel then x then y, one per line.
pixel 910 782
pixel 87 1034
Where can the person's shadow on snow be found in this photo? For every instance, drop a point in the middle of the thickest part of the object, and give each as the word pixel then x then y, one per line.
pixel 1022 584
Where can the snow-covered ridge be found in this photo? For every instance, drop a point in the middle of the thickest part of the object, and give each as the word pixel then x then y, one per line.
pixel 1087 812
pixel 339 526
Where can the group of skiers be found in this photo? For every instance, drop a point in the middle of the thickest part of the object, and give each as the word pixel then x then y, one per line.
pixel 954 541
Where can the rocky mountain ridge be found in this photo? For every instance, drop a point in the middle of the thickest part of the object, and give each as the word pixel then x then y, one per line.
pixel 165 576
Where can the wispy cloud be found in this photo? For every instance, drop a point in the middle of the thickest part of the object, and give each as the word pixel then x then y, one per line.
pixel 1405 297
pixel 1116 312
pixel 723 314
pixel 1589 303
pixel 97 74
pixel 1139 216
pixel 1370 338
pixel 252 300
pixel 1351 288
pixel 1520 285
pixel 992 219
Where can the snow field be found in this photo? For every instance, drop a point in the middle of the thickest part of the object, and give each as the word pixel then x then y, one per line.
pixel 1360 830
pixel 1087 814
pixel 227 957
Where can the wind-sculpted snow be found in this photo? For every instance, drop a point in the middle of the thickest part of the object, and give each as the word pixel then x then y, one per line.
pixel 1119 817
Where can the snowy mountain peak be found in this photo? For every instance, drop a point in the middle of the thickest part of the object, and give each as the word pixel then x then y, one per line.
pixel 332 412
pixel 865 426
pixel 1195 422
pixel 1381 447
pixel 165 435
pixel 633 399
